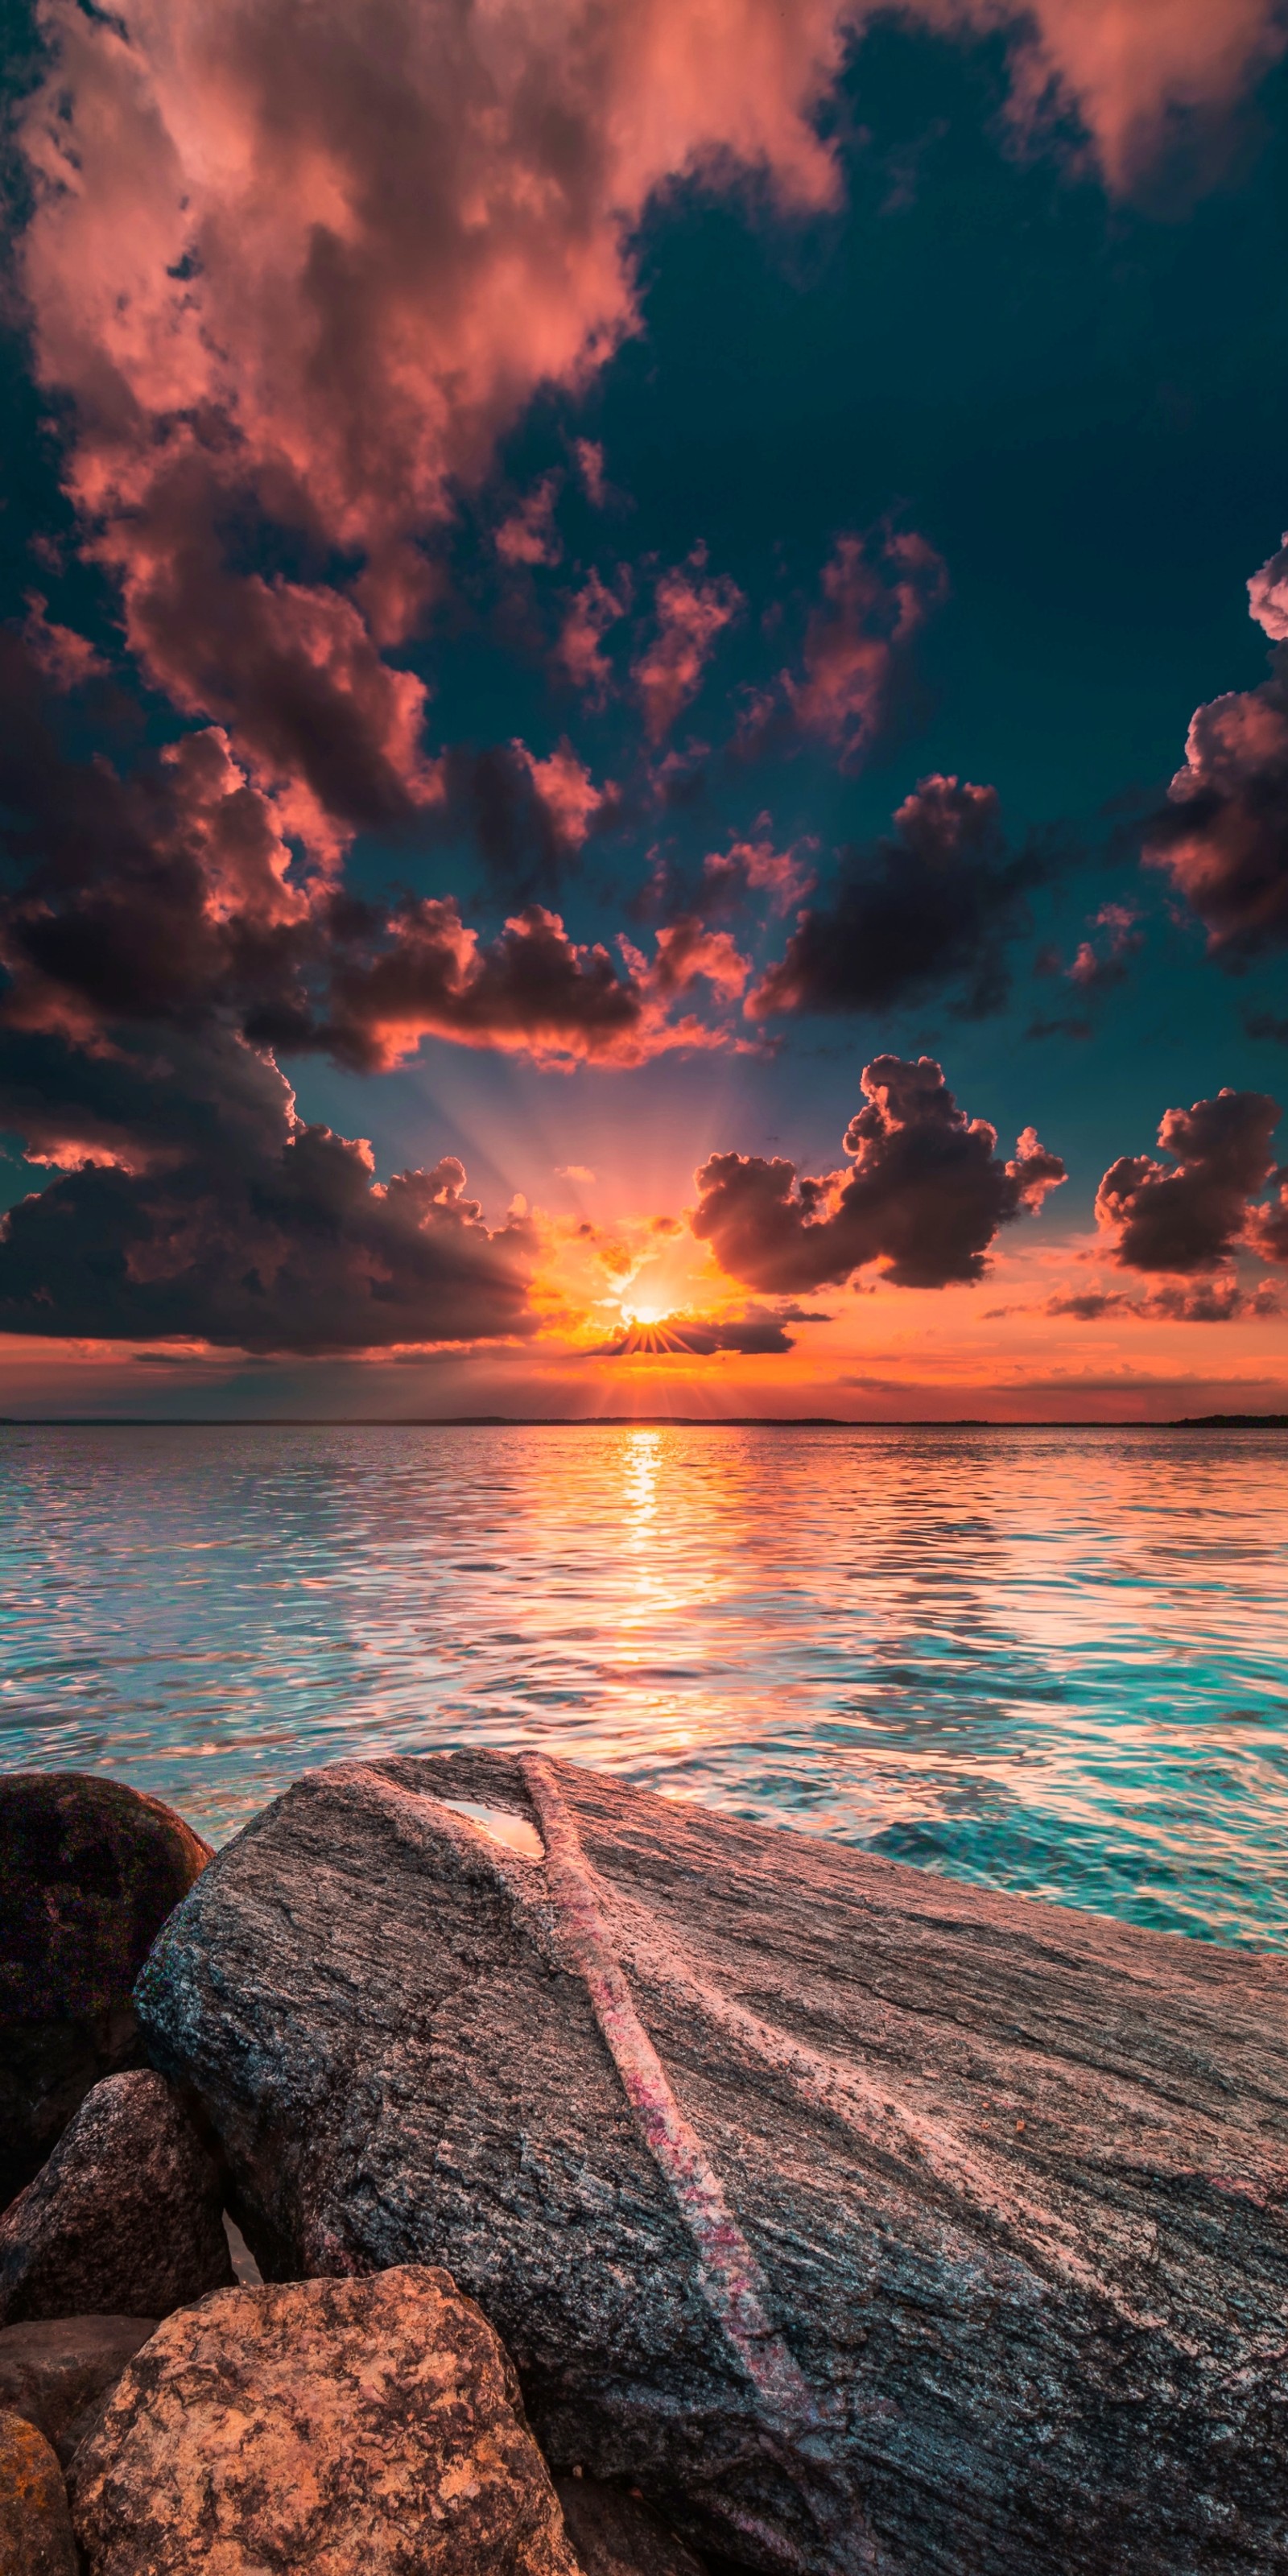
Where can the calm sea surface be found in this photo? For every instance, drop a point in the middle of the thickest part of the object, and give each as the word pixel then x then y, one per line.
pixel 1054 1661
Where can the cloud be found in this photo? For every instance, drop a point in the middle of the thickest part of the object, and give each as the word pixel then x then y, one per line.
pixel 67 659
pixel 590 465
pixel 1268 595
pixel 928 908
pixel 747 866
pixel 173 897
pixel 590 613
pixel 1096 970
pixel 294 271
pixel 1188 1214
pixel 1138 74
pixel 566 790
pixel 580 1172
pixel 1222 837
pixel 925 1195
pixel 687 949
pixel 212 1211
pixel 691 612
pixel 529 535
pixel 305 267
pixel 531 990
pixel 878 590
pixel 757 1334
pixel 1206 1301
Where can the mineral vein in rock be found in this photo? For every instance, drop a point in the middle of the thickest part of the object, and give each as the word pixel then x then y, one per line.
pixel 729 2274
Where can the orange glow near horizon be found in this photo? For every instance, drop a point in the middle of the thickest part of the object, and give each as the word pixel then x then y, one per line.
pixel 623 1302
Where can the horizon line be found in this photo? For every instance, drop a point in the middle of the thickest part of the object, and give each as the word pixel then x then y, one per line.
pixel 631 1421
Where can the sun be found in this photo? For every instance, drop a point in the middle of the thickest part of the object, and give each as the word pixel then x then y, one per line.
pixel 646 1313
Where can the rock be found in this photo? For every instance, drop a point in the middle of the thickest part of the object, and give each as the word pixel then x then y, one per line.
pixel 89 1871
pixel 615 2534
pixel 124 2220
pixel 58 2371
pixel 35 2524
pixel 366 2428
pixel 860 2218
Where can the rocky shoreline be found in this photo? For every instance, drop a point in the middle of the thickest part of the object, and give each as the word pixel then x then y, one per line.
pixel 627 2190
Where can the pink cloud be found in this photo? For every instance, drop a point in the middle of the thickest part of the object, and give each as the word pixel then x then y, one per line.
pixel 877 592
pixel 66 658
pixel 691 612
pixel 590 465
pixel 311 262
pixel 567 791
pixel 529 535
pixel 1268 595
pixel 786 876
pixel 1128 65
pixel 688 949
pixel 1093 969
pixel 532 990
pixel 591 611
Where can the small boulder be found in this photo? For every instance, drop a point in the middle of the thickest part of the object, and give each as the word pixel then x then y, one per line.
pixel 59 2371
pixel 124 2220
pixel 372 2427
pixel 35 2524
pixel 89 1870
pixel 616 2534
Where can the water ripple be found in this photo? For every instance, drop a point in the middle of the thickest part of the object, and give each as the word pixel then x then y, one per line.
pixel 1050 1661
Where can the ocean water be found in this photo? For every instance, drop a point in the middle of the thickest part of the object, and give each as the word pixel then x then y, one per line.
pixel 1052 1661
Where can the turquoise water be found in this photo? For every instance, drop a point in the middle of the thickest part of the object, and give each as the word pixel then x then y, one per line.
pixel 1053 1661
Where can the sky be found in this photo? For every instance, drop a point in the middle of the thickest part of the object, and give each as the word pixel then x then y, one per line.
pixel 645 710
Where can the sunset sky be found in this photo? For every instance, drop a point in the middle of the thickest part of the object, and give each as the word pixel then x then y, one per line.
pixel 646 709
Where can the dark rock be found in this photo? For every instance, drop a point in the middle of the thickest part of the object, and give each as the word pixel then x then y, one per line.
pixel 615 2534
pixel 89 1871
pixel 35 2524
pixel 124 2220
pixel 858 2217
pixel 57 2371
pixel 369 2428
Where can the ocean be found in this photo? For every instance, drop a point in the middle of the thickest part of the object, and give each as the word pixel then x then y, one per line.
pixel 1048 1660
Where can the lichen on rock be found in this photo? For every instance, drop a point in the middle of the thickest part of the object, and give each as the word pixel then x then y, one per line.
pixel 35 2524
pixel 367 2427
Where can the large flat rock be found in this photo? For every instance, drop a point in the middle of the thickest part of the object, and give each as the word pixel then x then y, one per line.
pixel 863 2220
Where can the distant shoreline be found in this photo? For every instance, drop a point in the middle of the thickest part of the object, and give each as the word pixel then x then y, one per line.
pixel 618 1422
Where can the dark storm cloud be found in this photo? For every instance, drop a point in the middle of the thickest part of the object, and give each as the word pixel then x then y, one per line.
pixel 930 908
pixel 1207 1301
pixel 926 1194
pixel 173 896
pixel 1187 1214
pixel 227 1219
pixel 755 1335
pixel 1222 837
